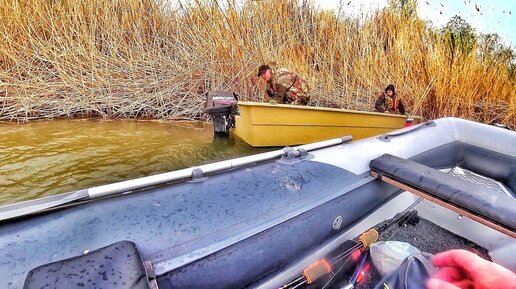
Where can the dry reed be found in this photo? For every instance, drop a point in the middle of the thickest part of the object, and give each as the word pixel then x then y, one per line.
pixel 144 59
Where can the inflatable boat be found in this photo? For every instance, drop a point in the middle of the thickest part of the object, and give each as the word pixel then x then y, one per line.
pixel 260 221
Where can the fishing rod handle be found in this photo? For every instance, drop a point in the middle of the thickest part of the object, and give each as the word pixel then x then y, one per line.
pixel 316 270
pixel 368 238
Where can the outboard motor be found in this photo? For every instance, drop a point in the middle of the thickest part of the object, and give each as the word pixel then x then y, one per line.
pixel 222 107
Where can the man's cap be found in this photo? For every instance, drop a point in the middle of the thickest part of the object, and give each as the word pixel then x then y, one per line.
pixel 391 88
pixel 262 69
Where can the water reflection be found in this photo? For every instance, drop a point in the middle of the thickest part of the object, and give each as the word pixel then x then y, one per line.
pixel 45 158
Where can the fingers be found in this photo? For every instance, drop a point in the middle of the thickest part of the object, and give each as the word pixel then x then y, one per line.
pixel 463 269
pixel 434 283
pixel 463 259
pixel 453 276
pixel 463 284
pixel 449 274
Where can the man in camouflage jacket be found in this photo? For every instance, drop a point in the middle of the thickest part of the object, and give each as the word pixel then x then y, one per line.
pixel 284 86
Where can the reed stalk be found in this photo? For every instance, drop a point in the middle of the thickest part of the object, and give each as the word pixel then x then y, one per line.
pixel 150 59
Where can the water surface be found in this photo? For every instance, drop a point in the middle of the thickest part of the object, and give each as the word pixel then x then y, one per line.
pixel 50 157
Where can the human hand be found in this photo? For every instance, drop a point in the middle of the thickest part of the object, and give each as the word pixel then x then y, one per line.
pixel 464 270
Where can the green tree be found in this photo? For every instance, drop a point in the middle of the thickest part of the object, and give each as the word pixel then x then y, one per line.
pixel 491 46
pixel 460 35
pixel 407 8
pixel 491 49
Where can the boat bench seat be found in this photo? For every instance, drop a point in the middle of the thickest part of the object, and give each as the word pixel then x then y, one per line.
pixel 117 266
pixel 477 200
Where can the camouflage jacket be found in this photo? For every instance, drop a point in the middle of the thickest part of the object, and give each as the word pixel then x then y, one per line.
pixel 386 103
pixel 287 87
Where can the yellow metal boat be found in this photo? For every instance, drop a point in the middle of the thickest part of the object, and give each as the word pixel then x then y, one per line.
pixel 264 124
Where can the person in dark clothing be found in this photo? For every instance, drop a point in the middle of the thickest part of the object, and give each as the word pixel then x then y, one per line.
pixel 389 102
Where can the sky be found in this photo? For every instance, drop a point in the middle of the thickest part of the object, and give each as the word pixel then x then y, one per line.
pixel 494 16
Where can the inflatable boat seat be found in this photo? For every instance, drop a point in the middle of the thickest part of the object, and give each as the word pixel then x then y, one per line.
pixel 117 266
pixel 470 197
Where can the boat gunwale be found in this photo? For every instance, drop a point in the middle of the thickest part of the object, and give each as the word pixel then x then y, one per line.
pixel 327 125
pixel 210 168
pixel 163 266
pixel 326 109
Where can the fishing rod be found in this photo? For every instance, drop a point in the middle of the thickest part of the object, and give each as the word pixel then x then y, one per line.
pixel 407 216
pixel 358 275
pixel 363 267
pixel 325 266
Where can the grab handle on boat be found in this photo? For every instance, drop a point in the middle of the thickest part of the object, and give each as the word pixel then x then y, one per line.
pixel 387 137
pixel 124 186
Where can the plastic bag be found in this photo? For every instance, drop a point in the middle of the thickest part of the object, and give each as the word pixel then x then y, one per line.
pixel 387 256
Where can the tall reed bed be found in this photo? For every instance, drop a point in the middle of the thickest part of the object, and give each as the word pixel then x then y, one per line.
pixel 149 59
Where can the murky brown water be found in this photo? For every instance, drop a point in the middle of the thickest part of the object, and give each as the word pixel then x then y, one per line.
pixel 45 158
